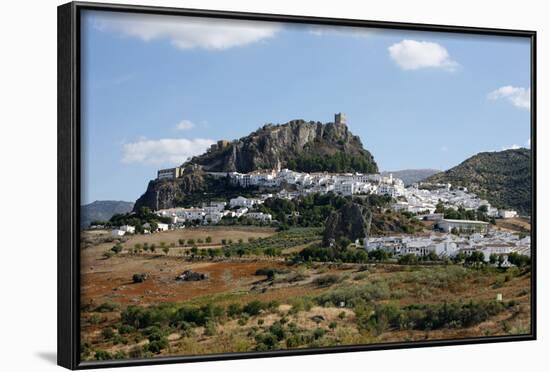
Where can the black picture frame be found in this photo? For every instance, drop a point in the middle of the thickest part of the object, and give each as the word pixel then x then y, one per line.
pixel 69 170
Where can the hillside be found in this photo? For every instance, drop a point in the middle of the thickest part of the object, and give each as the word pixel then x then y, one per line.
pixel 410 176
pixel 102 210
pixel 298 145
pixel 503 178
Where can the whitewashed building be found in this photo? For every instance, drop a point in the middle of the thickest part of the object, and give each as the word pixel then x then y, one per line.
pixel 241 201
pixel 464 226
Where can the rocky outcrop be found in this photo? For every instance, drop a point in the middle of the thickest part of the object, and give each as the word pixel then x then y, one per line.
pixel 298 145
pixel 352 221
pixel 161 194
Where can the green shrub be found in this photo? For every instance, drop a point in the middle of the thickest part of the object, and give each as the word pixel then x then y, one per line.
pixel 124 329
pixel 318 333
pixel 107 333
pixel 139 278
pixel 234 310
pixel 326 280
pixel 107 307
pixel 103 355
pixel 254 307
pixel 117 248
pixel 210 329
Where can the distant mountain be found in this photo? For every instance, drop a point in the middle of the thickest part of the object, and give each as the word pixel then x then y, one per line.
pixel 410 176
pixel 297 145
pixel 503 178
pixel 102 210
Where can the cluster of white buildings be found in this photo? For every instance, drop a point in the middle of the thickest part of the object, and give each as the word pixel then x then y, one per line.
pixel 424 200
pixel 449 245
pixel 304 183
pixel 213 213
pixel 128 229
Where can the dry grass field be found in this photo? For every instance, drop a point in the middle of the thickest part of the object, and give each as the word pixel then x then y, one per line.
pixel 518 224
pixel 300 305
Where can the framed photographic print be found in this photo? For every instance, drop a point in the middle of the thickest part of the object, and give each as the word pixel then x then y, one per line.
pixel 238 185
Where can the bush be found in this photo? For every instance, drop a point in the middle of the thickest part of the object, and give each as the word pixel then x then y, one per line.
pixel 210 329
pixel 136 352
pixel 197 315
pixel 408 259
pixel 301 304
pixel 254 307
pixel 103 355
pixel 242 321
pixel 139 278
pixel 326 280
pixel 270 272
pixel 107 333
pixel 117 248
pixel 277 330
pixel 157 346
pixel 234 310
pixel 107 307
pixel 124 329
pixel 208 239
pixel 318 333
pixel 266 341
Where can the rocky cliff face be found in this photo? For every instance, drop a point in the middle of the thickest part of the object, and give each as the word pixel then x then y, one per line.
pixel 298 145
pixel 161 194
pixel 352 221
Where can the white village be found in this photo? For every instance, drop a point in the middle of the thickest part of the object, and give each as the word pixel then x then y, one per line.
pixel 449 237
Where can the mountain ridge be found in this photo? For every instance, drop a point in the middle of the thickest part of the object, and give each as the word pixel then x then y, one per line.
pixel 410 176
pixel 501 177
pixel 102 210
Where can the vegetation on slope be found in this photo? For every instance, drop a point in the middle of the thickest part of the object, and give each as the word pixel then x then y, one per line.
pixel 503 178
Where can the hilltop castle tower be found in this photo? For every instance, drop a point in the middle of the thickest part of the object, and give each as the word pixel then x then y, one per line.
pixel 340 118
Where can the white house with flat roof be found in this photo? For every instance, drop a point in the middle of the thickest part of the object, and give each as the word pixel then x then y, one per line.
pixel 463 226
pixel 507 213
pixel 241 201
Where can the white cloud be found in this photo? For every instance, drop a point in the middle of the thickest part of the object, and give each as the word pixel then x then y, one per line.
pixel 528 143
pixel 185 125
pixel 171 151
pixel 517 96
pixel 414 55
pixel 186 32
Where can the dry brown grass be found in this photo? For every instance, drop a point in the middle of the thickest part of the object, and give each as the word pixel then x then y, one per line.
pixel 109 280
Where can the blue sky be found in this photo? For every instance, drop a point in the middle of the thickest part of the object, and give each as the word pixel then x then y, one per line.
pixel 158 89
